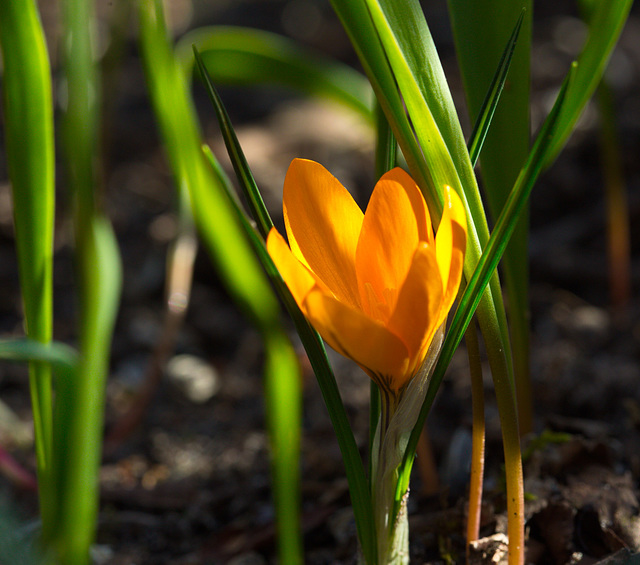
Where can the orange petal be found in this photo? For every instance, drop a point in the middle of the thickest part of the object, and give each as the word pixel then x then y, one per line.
pixel 323 224
pixel 415 317
pixel 451 242
pixel 395 222
pixel 378 351
pixel 298 278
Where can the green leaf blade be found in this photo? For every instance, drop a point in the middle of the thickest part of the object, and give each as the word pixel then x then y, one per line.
pixel 229 247
pixel 481 31
pixel 605 26
pixel 29 139
pixel 243 56
pixel 480 279
pixel 236 154
pixel 314 347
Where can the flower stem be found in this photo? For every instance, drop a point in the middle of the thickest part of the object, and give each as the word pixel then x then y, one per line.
pixel 616 201
pixel 478 437
pixel 374 417
pixel 505 396
pixel 392 533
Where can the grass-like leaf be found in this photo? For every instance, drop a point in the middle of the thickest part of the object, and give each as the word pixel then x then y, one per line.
pixel 236 154
pixel 216 222
pixel 488 262
pixel 409 58
pixel 62 358
pixel 605 26
pixel 312 342
pixel 490 102
pixel 228 245
pixel 243 56
pixel 480 30
pixel 29 139
pixel 397 53
pixel 79 408
pixel 357 22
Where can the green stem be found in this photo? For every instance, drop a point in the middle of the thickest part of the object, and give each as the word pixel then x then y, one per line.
pixel 392 527
pixel 517 286
pixel 398 414
pixel 385 160
pixel 374 418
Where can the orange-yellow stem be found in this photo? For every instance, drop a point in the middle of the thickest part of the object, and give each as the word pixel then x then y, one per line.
pixel 478 437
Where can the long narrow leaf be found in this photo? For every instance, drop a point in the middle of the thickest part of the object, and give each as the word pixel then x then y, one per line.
pixel 79 405
pixel 28 127
pixel 402 36
pixel 60 356
pixel 233 257
pixel 236 154
pixel 243 56
pixel 215 220
pixel 490 102
pixel 355 18
pixel 395 40
pixel 284 409
pixel 356 478
pixel 282 387
pixel 488 262
pixel 605 27
pixel 408 44
pixel 79 409
pixel 480 31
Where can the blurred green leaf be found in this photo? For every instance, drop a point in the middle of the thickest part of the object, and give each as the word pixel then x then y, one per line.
pixel 228 245
pixel 243 56
pixel 60 356
pixel 28 127
pixel 79 407
pixel 214 217
pixel 283 394
pixel 605 25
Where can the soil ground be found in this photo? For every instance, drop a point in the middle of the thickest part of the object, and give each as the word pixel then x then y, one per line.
pixel 190 484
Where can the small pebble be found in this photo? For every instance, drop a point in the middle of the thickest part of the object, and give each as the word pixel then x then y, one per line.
pixel 196 378
pixel 101 554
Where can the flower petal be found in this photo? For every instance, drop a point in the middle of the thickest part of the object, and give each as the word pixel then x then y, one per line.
pixel 298 278
pixel 379 352
pixel 323 224
pixel 395 221
pixel 415 318
pixel 451 243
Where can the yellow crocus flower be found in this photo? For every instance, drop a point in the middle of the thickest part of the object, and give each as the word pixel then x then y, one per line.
pixel 376 285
